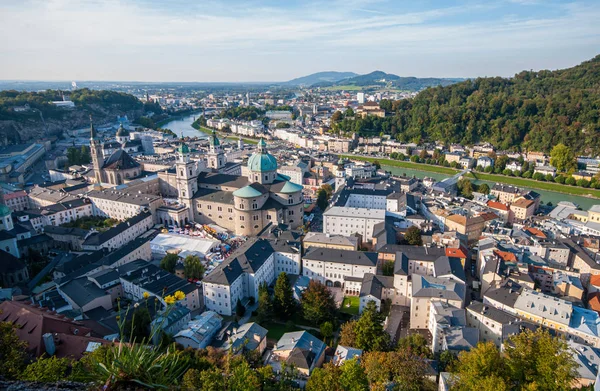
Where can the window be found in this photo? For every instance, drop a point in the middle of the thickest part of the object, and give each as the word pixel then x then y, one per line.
pixel 241 218
pixel 181 172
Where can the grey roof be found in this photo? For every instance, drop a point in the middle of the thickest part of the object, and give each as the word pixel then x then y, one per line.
pixel 120 160
pixel 220 196
pixel 105 276
pixel 449 265
pixel 51 229
pixel 305 348
pixel 426 286
pixel 103 237
pixel 247 336
pixel 217 179
pixel 246 259
pixel 544 306
pixel 506 295
pixel 492 313
pixel 362 258
pixel 372 285
pixel 153 279
pixel 82 291
pixel 461 338
pixel 320 237
pixel 418 253
pixel 114 195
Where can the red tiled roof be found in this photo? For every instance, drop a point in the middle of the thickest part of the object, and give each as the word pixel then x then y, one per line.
pixel 497 205
pixel 71 337
pixel 536 232
pixel 594 301
pixel 506 256
pixel 595 280
pixel 456 252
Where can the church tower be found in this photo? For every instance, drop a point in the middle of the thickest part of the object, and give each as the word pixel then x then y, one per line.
pixel 96 152
pixel 216 157
pixel 187 175
pixel 340 175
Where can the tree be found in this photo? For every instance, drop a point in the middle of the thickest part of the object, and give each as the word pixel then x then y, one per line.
pixel 169 262
pixel 536 360
pixel 484 188
pixel 384 367
pixel 326 330
pixel 562 157
pixel 446 361
pixel 240 310
pixel 538 176
pixel 317 303
pixel 488 169
pixel 137 327
pixel 465 187
pixel 388 268
pixel 336 117
pixel 193 268
pixel 377 164
pixel 349 113
pixel 352 376
pixel 560 179
pixel 265 305
pixel 369 331
pixel 549 178
pixel 481 369
pixel 348 334
pixel 45 370
pixel 13 351
pixel 322 199
pixel 328 189
pixel 416 344
pixel 243 378
pixel 413 236
pixel 570 181
pixel 283 300
pixel 325 378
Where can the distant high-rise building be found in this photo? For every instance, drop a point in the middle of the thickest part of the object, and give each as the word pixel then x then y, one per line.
pixel 360 97
pixel 247 99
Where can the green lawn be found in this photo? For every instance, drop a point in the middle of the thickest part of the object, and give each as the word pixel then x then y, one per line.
pixel 522 182
pixel 354 302
pixel 276 330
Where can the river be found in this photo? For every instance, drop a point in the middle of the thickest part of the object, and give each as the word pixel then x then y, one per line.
pixel 183 126
pixel 547 196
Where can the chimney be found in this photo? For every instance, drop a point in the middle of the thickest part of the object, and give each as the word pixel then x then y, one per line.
pixel 49 343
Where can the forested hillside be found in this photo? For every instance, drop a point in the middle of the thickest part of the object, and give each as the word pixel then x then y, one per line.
pixel 19 124
pixel 534 110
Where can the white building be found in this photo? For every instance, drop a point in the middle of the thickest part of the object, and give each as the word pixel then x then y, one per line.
pixel 239 276
pixel 340 220
pixel 119 235
pixel 333 267
pixel 121 206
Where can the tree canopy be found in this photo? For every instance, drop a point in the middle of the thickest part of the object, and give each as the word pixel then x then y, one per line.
pixel 317 303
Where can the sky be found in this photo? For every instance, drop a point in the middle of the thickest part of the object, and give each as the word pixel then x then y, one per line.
pixel 277 40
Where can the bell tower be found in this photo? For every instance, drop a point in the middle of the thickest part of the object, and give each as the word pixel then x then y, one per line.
pixel 96 152
pixel 187 175
pixel 216 157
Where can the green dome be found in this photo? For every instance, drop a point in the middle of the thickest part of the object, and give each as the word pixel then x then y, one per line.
pixel 259 162
pixel 4 210
pixel 262 160
pixel 247 192
pixel 290 188
pixel 183 148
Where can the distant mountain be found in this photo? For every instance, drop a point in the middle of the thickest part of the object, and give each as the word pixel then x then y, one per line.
pixel 380 78
pixel 320 77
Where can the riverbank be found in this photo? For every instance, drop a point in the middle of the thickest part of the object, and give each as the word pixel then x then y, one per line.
pixel 178 117
pixel 515 181
pixel 227 136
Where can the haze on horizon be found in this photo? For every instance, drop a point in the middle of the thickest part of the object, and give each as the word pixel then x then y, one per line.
pixel 270 40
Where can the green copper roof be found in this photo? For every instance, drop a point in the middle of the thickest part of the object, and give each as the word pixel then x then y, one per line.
pixel 259 162
pixel 214 140
pixel 183 148
pixel 4 210
pixel 247 192
pixel 290 187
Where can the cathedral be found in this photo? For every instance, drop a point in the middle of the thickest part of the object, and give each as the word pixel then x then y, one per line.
pixel 119 166
pixel 242 204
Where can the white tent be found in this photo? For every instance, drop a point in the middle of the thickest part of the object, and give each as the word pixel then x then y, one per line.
pixel 165 242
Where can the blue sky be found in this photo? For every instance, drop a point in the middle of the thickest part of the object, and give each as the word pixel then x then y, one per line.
pixel 218 40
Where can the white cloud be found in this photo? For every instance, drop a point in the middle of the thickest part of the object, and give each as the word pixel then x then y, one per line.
pixel 215 41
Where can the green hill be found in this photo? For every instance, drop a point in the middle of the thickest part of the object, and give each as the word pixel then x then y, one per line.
pixel 380 78
pixel 319 77
pixel 21 112
pixel 534 110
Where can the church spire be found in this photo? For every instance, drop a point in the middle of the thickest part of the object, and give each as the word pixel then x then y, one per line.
pixel 93 134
